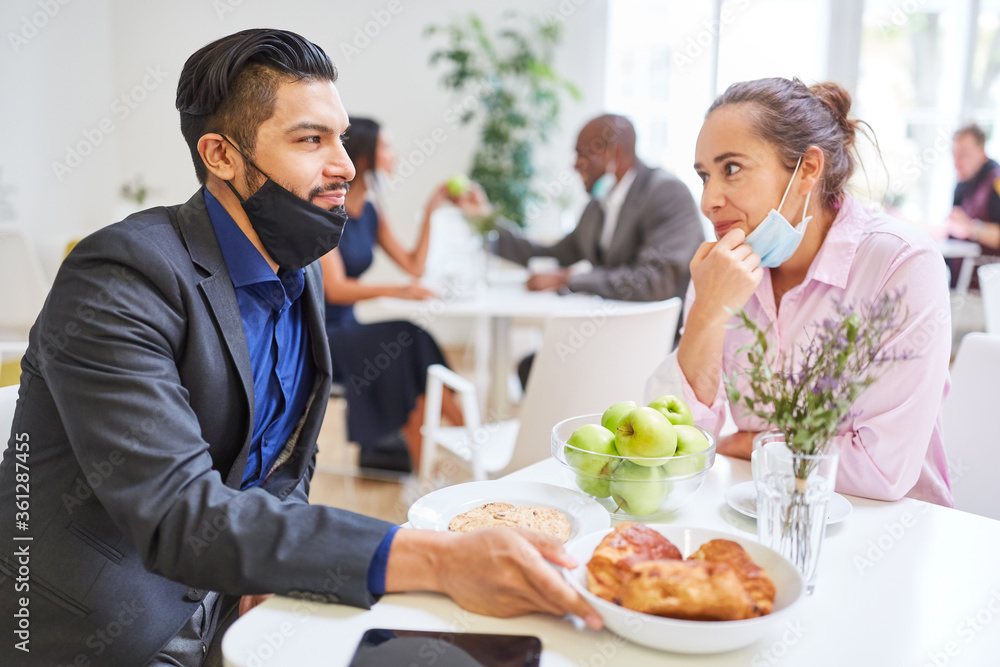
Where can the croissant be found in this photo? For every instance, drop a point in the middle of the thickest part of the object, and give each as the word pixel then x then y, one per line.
pixel 752 576
pixel 691 590
pixel 627 545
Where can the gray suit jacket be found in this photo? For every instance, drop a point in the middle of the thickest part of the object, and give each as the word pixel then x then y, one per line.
pixel 657 234
pixel 136 400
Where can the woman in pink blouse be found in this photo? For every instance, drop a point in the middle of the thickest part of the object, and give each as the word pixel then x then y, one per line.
pixel 776 144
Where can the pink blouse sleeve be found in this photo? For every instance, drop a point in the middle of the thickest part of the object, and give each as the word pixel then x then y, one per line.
pixel 668 379
pixel 896 418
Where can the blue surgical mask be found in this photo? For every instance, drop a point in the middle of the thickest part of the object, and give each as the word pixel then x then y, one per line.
pixel 775 240
pixel 605 184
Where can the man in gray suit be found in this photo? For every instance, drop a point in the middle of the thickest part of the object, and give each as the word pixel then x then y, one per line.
pixel 639 232
pixel 155 484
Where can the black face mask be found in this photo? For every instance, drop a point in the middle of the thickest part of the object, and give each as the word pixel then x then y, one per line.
pixel 295 232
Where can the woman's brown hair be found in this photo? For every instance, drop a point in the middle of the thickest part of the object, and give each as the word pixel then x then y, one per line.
pixel 792 117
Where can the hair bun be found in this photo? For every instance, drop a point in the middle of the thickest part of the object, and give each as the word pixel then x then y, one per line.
pixel 836 97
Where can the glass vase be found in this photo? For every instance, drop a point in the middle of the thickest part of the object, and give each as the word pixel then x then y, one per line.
pixel 792 493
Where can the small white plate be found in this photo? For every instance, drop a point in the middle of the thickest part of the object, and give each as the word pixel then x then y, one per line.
pixel 436 510
pixel 743 499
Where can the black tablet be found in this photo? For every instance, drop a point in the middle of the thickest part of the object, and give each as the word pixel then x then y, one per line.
pixel 380 647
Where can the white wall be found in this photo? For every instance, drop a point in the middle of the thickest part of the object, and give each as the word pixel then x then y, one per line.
pixel 58 87
pixel 72 75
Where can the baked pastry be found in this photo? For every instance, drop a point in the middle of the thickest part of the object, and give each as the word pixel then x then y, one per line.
pixel 539 519
pixel 690 589
pixel 492 515
pixel 620 550
pixel 753 577
pixel 478 517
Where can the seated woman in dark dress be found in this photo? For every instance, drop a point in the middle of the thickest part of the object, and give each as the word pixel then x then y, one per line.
pixel 382 365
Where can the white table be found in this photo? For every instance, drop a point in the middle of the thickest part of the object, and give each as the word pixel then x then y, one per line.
pixel 492 307
pixel 900 584
pixel 967 251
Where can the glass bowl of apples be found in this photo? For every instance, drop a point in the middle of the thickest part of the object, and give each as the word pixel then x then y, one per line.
pixel 640 463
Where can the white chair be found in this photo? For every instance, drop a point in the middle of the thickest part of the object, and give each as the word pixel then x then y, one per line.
pixel 989 287
pixel 8 401
pixel 970 426
pixel 588 361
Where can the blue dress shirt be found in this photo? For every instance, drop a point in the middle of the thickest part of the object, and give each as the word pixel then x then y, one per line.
pixel 277 339
pixel 280 356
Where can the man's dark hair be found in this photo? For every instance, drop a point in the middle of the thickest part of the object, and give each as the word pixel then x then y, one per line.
pixel 230 85
pixel 974 131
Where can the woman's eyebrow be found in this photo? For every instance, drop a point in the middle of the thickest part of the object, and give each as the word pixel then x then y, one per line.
pixel 719 158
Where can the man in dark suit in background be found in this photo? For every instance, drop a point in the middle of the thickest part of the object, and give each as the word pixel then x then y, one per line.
pixel 171 395
pixel 976 213
pixel 639 231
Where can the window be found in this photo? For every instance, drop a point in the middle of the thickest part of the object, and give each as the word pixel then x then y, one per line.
pixel 917 70
pixel 667 61
pixel 660 60
pixel 910 92
pixel 767 38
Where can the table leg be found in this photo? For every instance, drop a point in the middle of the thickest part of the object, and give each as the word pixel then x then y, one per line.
pixel 965 275
pixel 481 365
pixel 498 407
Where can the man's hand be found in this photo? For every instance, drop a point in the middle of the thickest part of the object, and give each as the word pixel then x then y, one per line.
pixel 248 602
pixel 960 225
pixel 501 572
pixel 548 281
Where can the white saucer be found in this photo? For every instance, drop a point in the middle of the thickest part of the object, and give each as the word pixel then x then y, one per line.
pixel 743 499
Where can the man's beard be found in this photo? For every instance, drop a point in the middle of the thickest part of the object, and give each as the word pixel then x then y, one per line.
pixel 254 182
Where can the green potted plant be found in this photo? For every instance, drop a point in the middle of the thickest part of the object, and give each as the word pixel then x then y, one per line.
pixel 517 93
pixel 135 190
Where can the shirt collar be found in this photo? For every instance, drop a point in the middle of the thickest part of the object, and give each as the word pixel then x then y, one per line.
pixel 618 193
pixel 832 264
pixel 247 267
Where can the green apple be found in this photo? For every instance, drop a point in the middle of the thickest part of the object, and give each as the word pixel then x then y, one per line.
pixel 457 185
pixel 639 490
pixel 690 441
pixel 674 409
pixel 594 486
pixel 613 415
pixel 646 433
pixel 591 452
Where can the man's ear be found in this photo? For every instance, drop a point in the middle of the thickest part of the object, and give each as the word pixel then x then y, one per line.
pixel 811 170
pixel 219 157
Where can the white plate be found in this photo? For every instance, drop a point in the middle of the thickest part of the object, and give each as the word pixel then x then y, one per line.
pixel 436 510
pixel 671 634
pixel 743 499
